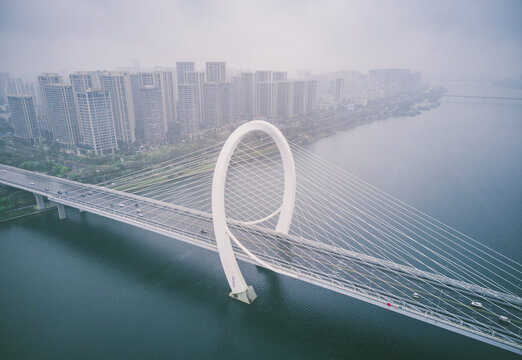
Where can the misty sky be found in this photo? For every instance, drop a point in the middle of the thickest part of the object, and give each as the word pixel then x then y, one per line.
pixel 472 38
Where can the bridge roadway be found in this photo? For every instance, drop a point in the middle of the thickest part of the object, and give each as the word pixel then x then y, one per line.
pixel 376 281
pixel 501 99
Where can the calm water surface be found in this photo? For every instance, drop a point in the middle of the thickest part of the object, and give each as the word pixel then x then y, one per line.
pixel 88 287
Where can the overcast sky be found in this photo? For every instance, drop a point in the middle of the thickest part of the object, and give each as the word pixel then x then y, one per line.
pixel 477 38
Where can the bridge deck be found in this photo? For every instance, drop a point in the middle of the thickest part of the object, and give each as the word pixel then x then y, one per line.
pixel 442 302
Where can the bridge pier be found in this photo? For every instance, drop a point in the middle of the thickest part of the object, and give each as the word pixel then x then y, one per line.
pixel 61 211
pixel 40 201
pixel 248 296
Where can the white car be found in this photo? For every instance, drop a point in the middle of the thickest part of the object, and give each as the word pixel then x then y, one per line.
pixel 476 304
pixel 121 205
pixel 504 319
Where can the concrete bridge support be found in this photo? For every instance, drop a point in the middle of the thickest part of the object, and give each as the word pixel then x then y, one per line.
pixel 61 211
pixel 40 201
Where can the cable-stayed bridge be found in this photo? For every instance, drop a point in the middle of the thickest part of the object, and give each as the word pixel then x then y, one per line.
pixel 484 99
pixel 344 234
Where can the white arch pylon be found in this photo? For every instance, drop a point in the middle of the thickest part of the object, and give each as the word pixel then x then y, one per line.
pixel 235 279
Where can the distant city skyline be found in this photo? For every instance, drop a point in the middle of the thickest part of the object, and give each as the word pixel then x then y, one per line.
pixel 100 109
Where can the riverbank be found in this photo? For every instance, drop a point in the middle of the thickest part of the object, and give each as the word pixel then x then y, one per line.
pixel 22 213
pixel 315 128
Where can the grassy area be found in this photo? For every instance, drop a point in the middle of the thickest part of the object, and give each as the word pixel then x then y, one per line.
pixel 14 203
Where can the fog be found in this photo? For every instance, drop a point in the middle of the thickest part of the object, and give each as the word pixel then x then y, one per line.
pixel 473 39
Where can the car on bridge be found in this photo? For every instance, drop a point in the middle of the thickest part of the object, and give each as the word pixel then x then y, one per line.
pixel 476 304
pixel 503 319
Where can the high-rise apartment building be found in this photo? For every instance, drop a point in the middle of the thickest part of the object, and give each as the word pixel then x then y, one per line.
pixel 49 78
pixel 120 90
pixel 304 97
pixel 244 94
pixel 16 86
pixel 226 94
pixel 279 76
pixel 97 121
pixel 189 108
pixel 339 89
pixel 266 99
pixel 4 84
pixel 64 117
pixel 183 67
pixel 285 98
pixel 298 97
pixel 212 105
pixel 165 81
pixel 311 96
pixel 168 96
pixel 216 72
pixel 197 78
pixel 83 80
pixel 264 76
pixel 217 104
pixel 43 80
pixel 154 121
pixel 23 116
pixel 190 96
pixel 136 100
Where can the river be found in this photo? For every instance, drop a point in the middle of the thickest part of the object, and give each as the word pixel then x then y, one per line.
pixel 88 287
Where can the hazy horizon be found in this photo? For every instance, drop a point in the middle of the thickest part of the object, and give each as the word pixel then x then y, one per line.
pixel 473 39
